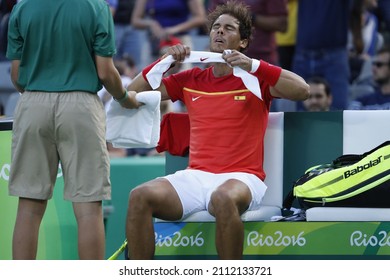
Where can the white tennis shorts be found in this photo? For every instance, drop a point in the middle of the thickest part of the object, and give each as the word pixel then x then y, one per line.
pixel 195 187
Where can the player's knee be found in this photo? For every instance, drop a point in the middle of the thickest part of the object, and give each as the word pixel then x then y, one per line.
pixel 139 198
pixel 222 203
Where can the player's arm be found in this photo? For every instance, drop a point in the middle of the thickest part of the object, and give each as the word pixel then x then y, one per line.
pixel 139 83
pixel 283 83
pixel 290 86
pixel 110 78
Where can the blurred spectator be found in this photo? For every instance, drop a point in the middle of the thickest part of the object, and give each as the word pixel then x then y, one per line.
pixel 364 28
pixel 128 39
pixel 269 16
pixel 6 6
pixel 5 10
pixel 113 6
pixel 320 99
pixel 364 38
pixel 166 18
pixel 380 99
pixel 286 48
pixel 321 46
pixel 383 13
pixel 286 40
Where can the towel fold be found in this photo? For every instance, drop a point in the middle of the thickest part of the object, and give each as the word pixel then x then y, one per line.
pixel 155 74
pixel 135 128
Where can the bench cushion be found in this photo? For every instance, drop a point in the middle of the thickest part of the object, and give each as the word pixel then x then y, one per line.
pixel 341 214
pixel 263 214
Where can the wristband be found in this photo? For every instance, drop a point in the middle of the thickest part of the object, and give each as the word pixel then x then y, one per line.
pixel 268 72
pixel 123 98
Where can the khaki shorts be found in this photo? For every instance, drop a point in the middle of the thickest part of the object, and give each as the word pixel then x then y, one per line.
pixel 65 128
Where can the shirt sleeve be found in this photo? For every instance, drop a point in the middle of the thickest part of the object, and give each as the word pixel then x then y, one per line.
pixel 104 44
pixel 15 40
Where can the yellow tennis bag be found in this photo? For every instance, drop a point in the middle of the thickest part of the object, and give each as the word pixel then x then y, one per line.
pixel 349 181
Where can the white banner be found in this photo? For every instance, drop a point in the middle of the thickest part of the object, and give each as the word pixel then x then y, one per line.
pixel 195 269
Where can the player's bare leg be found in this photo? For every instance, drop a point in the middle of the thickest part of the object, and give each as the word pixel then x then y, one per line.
pixel 156 198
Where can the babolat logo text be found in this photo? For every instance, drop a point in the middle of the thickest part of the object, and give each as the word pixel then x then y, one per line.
pixel 360 168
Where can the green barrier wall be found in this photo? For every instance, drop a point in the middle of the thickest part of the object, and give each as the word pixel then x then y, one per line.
pixel 310 138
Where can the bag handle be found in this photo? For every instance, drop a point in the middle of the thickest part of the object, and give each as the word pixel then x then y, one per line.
pixel 350 159
pixel 386 143
pixel 346 160
pixel 288 200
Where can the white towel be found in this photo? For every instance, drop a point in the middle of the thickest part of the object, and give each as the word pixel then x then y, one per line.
pixel 135 128
pixel 155 74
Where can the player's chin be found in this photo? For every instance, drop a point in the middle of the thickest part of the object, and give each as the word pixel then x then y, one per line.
pixel 217 48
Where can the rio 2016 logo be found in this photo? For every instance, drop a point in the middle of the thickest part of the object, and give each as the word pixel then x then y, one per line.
pixel 360 239
pixel 277 239
pixel 5 170
pixel 179 240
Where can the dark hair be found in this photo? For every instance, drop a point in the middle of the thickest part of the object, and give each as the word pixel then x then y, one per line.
pixel 238 10
pixel 320 81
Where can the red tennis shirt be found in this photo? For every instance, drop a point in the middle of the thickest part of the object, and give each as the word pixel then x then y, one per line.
pixel 227 121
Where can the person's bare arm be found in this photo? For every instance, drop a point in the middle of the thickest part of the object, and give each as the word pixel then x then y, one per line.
pixel 139 84
pixel 138 20
pixel 14 75
pixel 197 18
pixel 138 16
pixel 271 23
pixel 110 78
pixel 290 86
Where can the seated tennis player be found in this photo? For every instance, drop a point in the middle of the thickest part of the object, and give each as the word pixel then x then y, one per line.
pixel 225 174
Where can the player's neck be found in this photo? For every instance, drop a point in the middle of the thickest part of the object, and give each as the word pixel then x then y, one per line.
pixel 221 69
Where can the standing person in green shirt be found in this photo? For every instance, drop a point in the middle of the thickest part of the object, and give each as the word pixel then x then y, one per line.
pixel 61 54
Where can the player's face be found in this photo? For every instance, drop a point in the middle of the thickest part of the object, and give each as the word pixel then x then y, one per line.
pixel 225 34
